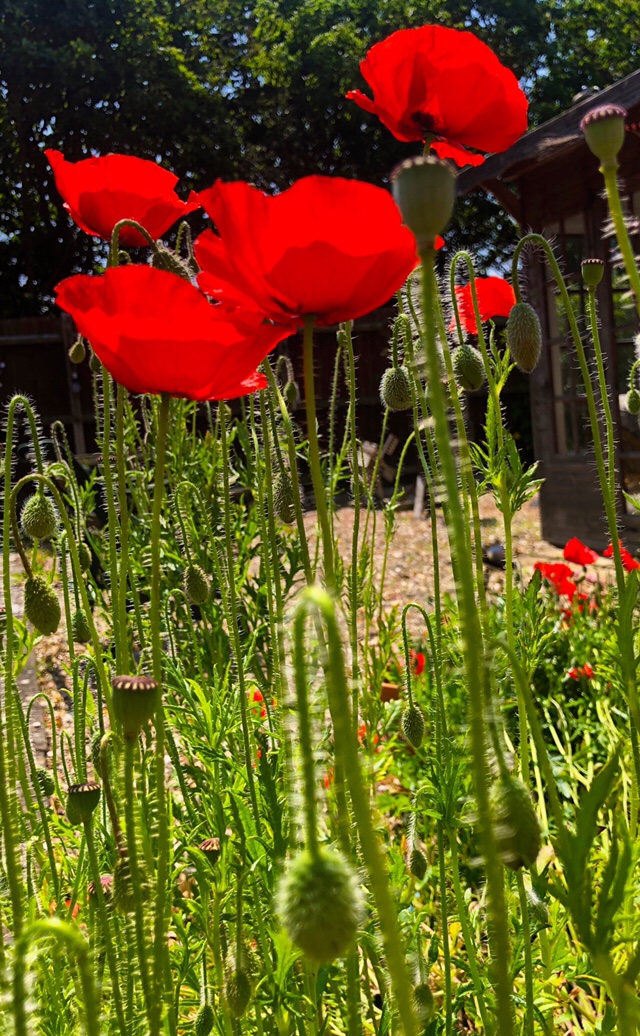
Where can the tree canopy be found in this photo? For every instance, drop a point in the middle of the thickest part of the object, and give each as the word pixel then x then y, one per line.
pixel 251 90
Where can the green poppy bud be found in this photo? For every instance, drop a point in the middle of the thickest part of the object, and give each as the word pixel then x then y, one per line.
pixel 524 336
pixel 320 904
pixel 424 1004
pixel 135 699
pixel 424 189
pixel 413 725
pixel 94 363
pixel 395 389
pixel 38 519
pixel 78 352
pixel 196 584
pixel 84 556
pixel 204 1020
pixel 417 864
pixel 45 781
pixel 237 991
pixel 592 271
pixel 468 368
pixel 633 401
pixel 283 498
pixel 603 130
pixel 516 826
pixel 80 629
pixel 41 605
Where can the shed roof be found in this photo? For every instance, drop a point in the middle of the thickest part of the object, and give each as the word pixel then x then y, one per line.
pixel 553 139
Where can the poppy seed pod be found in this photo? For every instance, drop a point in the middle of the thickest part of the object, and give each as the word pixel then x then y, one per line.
pixel 38 519
pixel 424 190
pixel 320 904
pixel 41 605
pixel 516 826
pixel 135 699
pixel 592 271
pixel 211 849
pixel 413 725
pixel 196 584
pixel 603 130
pixel 395 389
pixel 524 336
pixel 203 1023
pixel 468 368
pixel 82 800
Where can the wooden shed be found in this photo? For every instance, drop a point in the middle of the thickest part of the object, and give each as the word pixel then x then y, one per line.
pixel 549 182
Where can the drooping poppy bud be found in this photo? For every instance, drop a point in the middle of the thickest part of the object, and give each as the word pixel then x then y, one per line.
pixel 395 389
pixel 468 368
pixel 603 130
pixel 417 864
pixel 633 401
pixel 283 497
pixel 80 629
pixel 237 989
pixel 41 605
pixel 45 781
pixel 423 1002
pixel 516 826
pixel 204 1020
pixel 38 519
pixel 524 336
pixel 413 725
pixel 320 904
pixel 196 584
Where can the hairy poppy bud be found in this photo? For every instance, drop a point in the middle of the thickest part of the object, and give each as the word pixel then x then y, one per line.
pixel 41 605
pixel 538 909
pixel 38 519
pixel 196 584
pixel 592 271
pixel 45 781
pixel 291 393
pixel 413 725
pixel 603 130
pixel 80 630
pixel 417 864
pixel 524 336
pixel 237 991
pixel 164 258
pixel 395 389
pixel 78 352
pixel 82 800
pixel 320 904
pixel 633 401
pixel 135 699
pixel 94 363
pixel 468 368
pixel 283 498
pixel 423 1001
pixel 424 189
pixel 84 556
pixel 515 823
pixel 204 1020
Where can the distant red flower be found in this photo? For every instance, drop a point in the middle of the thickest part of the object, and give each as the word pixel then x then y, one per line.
pixel 576 552
pixel 628 561
pixel 329 778
pixel 496 298
pixel 256 700
pixel 559 576
pixel 433 81
pixel 579 671
pixel 418 660
pixel 99 192
pixel 155 332
pixel 329 248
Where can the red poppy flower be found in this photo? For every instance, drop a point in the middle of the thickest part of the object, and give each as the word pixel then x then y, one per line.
pixel 576 552
pixel 99 192
pixel 559 576
pixel 418 662
pixel 442 83
pixel 330 248
pixel 579 671
pixel 495 296
pixel 628 561
pixel 155 333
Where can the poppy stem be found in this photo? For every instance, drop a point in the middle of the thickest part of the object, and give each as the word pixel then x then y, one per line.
pixel 314 458
pixel 304 734
pixel 609 174
pixel 473 650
